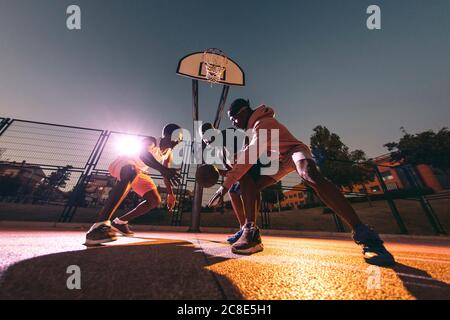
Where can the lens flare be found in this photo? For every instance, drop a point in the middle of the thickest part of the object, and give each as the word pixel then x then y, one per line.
pixel 128 145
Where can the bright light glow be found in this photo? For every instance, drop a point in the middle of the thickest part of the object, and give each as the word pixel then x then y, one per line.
pixel 128 145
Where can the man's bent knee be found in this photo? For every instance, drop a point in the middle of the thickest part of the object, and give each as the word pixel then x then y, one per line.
pixel 153 198
pixel 307 169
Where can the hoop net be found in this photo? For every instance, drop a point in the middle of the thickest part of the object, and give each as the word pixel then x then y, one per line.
pixel 215 62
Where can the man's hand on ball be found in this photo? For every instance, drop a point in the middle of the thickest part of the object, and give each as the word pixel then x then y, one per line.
pixel 219 193
pixel 173 175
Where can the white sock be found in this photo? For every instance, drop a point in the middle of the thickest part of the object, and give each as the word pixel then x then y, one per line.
pixel 98 224
pixel 118 221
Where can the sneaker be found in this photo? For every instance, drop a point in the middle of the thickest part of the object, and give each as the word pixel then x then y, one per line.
pixel 122 228
pixel 373 249
pixel 99 235
pixel 249 242
pixel 235 237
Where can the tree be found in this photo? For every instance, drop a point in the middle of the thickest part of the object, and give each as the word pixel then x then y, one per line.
pixel 9 186
pixel 59 178
pixel 336 162
pixel 272 195
pixel 426 147
pixel 48 187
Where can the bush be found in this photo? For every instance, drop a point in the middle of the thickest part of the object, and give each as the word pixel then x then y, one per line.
pixel 9 186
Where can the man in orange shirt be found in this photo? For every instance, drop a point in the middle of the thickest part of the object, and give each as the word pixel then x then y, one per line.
pixel 130 170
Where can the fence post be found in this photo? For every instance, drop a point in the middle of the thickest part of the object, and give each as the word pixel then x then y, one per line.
pixel 265 214
pixel 72 204
pixel 196 208
pixel 390 202
pixel 338 222
pixel 198 190
pixel 4 124
pixel 429 212
pixel 181 190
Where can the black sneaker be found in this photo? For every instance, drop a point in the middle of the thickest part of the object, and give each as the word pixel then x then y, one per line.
pixel 99 235
pixel 249 242
pixel 373 249
pixel 235 237
pixel 123 229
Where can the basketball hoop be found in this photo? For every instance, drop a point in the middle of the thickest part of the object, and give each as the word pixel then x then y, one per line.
pixel 215 62
pixel 213 66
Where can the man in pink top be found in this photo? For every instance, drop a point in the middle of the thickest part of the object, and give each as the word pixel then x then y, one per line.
pixel 293 155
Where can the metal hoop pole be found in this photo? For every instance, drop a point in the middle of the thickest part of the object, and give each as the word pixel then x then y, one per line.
pixel 198 190
pixel 222 101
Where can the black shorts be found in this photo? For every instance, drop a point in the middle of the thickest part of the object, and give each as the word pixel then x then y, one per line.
pixel 235 188
pixel 254 172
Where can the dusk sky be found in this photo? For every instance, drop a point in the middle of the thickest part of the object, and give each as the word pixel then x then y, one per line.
pixel 315 62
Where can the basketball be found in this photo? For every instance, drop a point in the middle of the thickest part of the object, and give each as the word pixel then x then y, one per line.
pixel 207 175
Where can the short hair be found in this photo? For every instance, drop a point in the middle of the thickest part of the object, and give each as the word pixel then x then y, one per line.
pixel 205 127
pixel 208 126
pixel 237 105
pixel 169 129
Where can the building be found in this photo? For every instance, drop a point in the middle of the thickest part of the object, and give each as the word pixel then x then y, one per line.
pixel 98 188
pixel 28 175
pixel 398 176
pixel 393 177
pixel 28 183
pixel 294 198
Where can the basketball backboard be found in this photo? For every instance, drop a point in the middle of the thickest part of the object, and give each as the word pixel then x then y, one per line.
pixel 193 66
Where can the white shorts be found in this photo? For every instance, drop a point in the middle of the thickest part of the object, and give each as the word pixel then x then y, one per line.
pixel 287 164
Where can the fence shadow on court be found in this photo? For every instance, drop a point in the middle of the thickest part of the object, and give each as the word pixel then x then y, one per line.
pixel 419 282
pixel 159 269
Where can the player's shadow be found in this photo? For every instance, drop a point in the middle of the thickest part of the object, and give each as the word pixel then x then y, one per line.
pixel 421 284
pixel 160 269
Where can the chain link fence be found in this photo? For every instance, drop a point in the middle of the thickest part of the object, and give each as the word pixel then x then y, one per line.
pixel 51 172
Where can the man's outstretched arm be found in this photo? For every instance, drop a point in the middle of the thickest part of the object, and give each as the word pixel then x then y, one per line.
pixel 249 155
pixel 168 173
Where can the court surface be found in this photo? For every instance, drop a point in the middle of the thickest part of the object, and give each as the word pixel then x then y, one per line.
pixel 170 265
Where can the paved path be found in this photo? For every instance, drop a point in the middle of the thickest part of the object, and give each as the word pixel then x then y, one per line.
pixel 164 265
